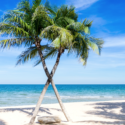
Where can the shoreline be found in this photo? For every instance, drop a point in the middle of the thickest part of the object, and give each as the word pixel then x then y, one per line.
pixel 87 113
pixel 23 106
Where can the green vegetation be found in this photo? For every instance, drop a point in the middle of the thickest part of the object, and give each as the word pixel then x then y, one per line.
pixel 29 23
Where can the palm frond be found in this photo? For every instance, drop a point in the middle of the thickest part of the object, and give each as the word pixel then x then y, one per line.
pixel 76 26
pixel 51 9
pixel 95 44
pixel 25 7
pixel 41 14
pixel 69 20
pixel 12 13
pixel 14 42
pixel 87 24
pixel 14 31
pixel 17 20
pixel 65 12
pixel 36 3
pixel 58 35
pixel 32 53
pixel 63 21
pixel 50 53
pixel 27 55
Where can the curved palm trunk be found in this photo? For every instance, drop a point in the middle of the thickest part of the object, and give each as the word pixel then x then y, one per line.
pixel 46 86
pixel 60 102
pixel 39 103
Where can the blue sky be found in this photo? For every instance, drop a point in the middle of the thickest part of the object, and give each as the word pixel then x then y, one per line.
pixel 108 23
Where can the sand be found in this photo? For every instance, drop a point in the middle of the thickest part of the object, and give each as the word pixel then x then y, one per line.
pixel 81 113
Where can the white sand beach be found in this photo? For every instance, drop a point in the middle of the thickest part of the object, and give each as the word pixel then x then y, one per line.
pixel 81 113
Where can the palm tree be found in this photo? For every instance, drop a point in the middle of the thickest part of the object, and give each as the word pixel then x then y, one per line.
pixel 27 25
pixel 65 34
pixel 24 25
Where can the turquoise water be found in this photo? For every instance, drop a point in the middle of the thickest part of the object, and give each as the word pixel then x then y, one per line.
pixel 16 95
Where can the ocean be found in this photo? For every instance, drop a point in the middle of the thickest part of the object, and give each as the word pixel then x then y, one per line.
pixel 19 95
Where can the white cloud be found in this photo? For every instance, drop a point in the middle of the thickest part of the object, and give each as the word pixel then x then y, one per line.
pixel 120 55
pixel 81 4
pixel 104 64
pixel 109 59
pixel 114 41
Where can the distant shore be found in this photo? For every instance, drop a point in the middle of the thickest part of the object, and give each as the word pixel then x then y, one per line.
pixel 87 113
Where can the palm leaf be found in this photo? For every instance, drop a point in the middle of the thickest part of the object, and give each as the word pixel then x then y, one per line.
pixel 36 3
pixel 32 53
pixel 52 52
pixel 7 28
pixel 51 9
pixel 95 44
pixel 27 55
pixel 58 34
pixel 13 42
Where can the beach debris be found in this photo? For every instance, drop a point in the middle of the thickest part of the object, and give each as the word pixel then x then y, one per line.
pixel 49 119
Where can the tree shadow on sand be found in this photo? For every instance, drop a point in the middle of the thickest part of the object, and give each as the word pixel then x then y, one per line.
pixel 2 122
pixel 104 111
pixel 29 111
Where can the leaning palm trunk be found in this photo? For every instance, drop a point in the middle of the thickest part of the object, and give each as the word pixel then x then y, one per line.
pixel 47 84
pixel 39 103
pixel 60 102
